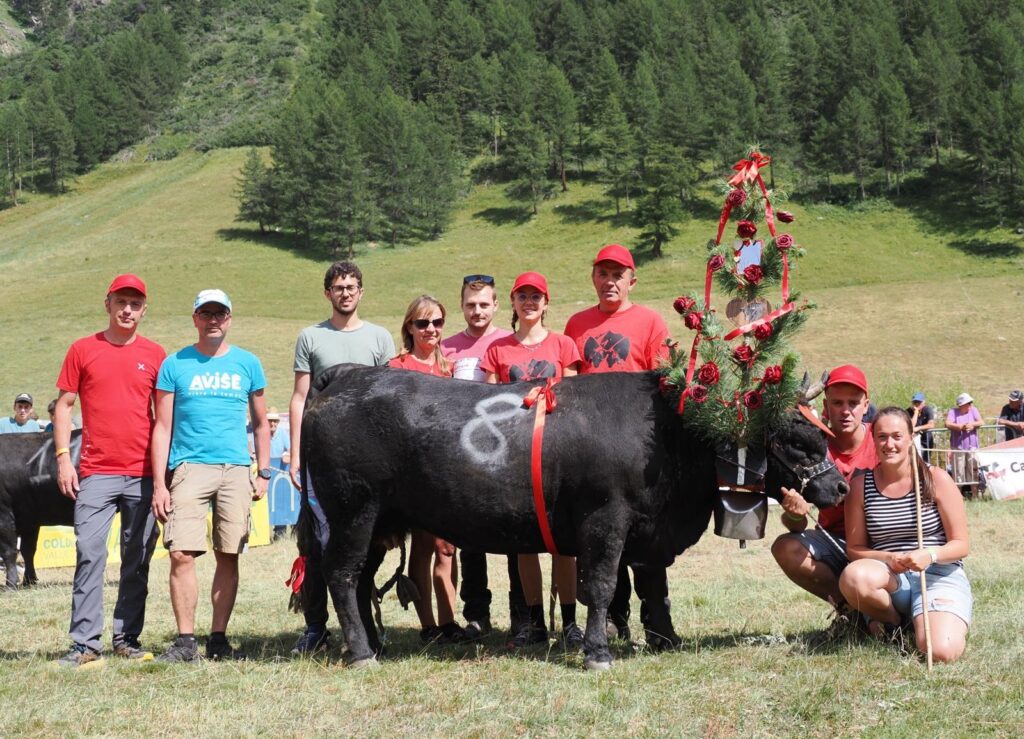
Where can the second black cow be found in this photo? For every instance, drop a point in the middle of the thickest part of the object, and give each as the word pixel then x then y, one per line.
pixel 389 449
pixel 30 498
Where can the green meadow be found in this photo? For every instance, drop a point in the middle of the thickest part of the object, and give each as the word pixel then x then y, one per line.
pixel 919 294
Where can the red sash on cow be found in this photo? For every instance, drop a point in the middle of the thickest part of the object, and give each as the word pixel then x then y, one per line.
pixel 544 399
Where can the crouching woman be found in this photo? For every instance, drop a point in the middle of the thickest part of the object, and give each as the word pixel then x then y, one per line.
pixel 883 579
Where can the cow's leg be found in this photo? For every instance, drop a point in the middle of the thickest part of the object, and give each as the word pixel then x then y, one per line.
pixel 364 594
pixel 9 549
pixel 600 547
pixel 29 541
pixel 655 608
pixel 345 559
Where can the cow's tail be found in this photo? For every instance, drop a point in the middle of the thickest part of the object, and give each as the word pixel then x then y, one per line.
pixel 405 588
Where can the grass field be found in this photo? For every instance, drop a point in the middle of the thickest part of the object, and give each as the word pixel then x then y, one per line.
pixel 744 668
pixel 918 298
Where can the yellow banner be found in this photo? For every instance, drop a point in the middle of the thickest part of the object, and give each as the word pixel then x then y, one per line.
pixel 56 547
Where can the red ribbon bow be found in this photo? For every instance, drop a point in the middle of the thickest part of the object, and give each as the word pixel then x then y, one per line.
pixel 298 575
pixel 747 169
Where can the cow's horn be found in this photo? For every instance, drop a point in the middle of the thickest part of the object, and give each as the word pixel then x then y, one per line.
pixel 813 391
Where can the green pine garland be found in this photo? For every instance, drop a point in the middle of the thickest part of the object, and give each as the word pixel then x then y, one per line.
pixel 739 388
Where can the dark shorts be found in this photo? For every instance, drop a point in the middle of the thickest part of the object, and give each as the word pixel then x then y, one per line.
pixel 822 549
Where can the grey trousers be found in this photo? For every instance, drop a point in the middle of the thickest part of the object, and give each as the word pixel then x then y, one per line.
pixel 100 498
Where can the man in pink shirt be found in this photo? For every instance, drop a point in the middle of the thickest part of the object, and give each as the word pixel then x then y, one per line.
pixel 465 350
pixel 617 335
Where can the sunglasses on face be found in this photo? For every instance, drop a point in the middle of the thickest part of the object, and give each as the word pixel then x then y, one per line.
pixel 486 279
pixel 207 315
pixel 422 323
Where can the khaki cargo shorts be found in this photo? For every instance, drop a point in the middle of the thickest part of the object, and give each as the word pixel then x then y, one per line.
pixel 194 488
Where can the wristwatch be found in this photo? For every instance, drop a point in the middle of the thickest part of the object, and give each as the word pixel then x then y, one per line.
pixel 266 473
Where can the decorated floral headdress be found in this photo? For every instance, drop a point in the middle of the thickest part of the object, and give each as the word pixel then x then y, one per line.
pixel 738 379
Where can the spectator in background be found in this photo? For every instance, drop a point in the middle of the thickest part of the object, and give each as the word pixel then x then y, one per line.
pixel 922 419
pixel 963 423
pixel 50 409
pixel 870 413
pixel 280 446
pixel 21 421
pixel 1011 417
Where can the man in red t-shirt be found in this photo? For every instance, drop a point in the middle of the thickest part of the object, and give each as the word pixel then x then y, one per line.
pixel 616 335
pixel 809 557
pixel 113 373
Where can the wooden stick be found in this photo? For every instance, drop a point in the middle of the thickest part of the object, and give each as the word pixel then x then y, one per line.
pixel 920 545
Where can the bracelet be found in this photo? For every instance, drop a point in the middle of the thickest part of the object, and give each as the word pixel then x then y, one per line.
pixel 63 450
pixel 793 517
pixel 934 552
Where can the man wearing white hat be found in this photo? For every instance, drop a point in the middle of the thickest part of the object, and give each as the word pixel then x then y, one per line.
pixel 202 394
pixel 963 423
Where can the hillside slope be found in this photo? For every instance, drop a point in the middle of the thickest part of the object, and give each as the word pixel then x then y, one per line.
pixel 918 307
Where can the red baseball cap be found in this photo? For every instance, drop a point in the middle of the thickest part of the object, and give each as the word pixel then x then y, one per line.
pixel 847 374
pixel 532 279
pixel 127 282
pixel 615 253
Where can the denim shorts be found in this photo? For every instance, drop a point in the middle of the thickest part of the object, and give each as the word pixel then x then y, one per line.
pixel 827 548
pixel 949 591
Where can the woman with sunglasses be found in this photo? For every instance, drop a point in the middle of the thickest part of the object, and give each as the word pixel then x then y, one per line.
pixel 421 342
pixel 531 353
pixel 883 579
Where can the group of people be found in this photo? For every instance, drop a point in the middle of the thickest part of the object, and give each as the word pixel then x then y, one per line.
pixel 864 556
pixel 165 437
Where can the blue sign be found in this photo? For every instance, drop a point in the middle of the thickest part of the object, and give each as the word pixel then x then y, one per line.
pixel 282 496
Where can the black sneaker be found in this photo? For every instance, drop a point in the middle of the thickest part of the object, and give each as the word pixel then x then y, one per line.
pixel 451 633
pixel 312 642
pixel 528 634
pixel 430 634
pixel 81 657
pixel 572 637
pixel 476 630
pixel 221 650
pixel 129 647
pixel 182 649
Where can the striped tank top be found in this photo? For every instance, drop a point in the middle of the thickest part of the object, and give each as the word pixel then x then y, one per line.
pixel 892 522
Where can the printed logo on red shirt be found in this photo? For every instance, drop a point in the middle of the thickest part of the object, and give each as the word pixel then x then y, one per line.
pixel 610 349
pixel 537 369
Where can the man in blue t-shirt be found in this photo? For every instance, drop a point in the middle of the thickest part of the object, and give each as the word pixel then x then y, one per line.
pixel 202 395
pixel 21 422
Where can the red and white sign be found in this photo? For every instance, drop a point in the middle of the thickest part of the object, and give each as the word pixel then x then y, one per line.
pixel 1003 467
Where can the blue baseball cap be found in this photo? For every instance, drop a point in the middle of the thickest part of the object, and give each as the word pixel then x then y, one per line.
pixel 211 296
pixel 918 398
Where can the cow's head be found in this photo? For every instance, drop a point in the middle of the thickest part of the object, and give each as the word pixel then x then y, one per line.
pixel 798 458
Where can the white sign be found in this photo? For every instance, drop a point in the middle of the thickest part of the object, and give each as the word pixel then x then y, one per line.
pixel 1003 467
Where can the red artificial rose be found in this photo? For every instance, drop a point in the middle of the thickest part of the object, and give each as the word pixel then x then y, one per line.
pixel 753 399
pixel 746 229
pixel 753 274
pixel 698 393
pixel 716 262
pixel 708 374
pixel 783 242
pixel 785 216
pixel 763 331
pixel 683 303
pixel 737 196
pixel 743 354
pixel 693 320
pixel 772 375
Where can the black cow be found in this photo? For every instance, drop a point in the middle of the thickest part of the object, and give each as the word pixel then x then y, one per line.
pixel 387 449
pixel 29 497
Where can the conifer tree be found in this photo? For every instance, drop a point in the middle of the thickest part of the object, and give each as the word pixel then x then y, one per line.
pixel 526 161
pixel 254 192
pixel 556 114
pixel 617 149
pixel 856 136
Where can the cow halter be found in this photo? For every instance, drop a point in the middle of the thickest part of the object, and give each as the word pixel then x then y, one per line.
pixel 804 472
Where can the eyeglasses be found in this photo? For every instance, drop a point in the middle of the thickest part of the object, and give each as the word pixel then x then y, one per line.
pixel 422 323
pixel 345 289
pixel 486 279
pixel 206 315
pixel 531 298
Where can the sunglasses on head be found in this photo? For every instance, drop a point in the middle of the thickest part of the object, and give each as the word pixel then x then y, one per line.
pixel 486 279
pixel 422 323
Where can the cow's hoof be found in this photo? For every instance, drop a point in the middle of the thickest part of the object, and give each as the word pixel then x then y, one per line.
pixel 367 663
pixel 594 665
